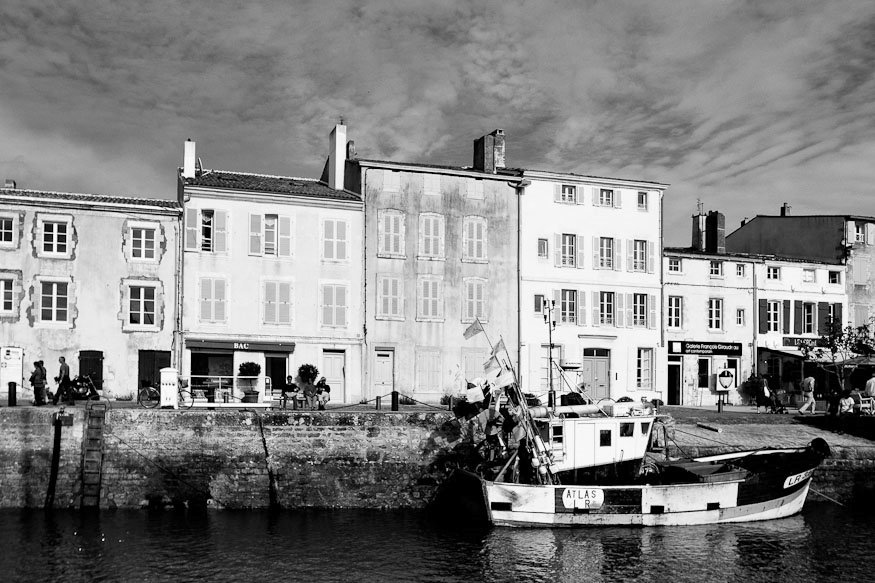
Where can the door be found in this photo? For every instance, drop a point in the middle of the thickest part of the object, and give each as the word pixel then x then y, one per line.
pixel 334 371
pixel 91 364
pixel 384 368
pixel 675 379
pixel 275 370
pixel 595 372
pixel 150 363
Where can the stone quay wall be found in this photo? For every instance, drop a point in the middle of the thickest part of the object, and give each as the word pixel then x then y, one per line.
pixel 292 459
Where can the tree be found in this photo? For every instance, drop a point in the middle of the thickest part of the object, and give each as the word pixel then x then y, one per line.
pixel 840 350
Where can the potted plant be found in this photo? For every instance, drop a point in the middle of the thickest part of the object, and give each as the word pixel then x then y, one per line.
pixel 248 370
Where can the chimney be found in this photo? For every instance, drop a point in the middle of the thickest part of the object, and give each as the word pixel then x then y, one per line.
pixel 715 226
pixel 10 184
pixel 699 231
pixel 744 221
pixel 785 210
pixel 489 152
pixel 336 156
pixel 189 160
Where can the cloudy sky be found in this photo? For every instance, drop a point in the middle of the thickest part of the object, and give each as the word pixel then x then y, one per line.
pixel 744 105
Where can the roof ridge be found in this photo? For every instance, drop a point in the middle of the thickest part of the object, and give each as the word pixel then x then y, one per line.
pixel 210 170
pixel 80 194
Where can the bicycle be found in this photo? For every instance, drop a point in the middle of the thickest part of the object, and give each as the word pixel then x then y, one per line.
pixel 150 397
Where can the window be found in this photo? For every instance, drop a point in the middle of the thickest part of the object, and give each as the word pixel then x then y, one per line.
pixel 859 232
pixel 391 181
pixel 639 255
pixel 391 233
pixel 606 307
pixel 809 276
pixel 8 236
pixel 642 201
pixel 389 299
pixel 716 269
pixel 773 272
pixel 606 197
pixel 475 188
pixel 627 429
pixel 835 314
pixel 56 234
pixel 428 371
pixel 568 250
pixel 334 305
pixel 143 243
pixel 835 277
pixel 431 184
pixel 674 265
pixel 675 311
pixel 334 240
pixel 7 303
pixel 277 302
pixel 715 314
pixel 539 303
pixel 741 270
pixel 739 317
pixel 141 310
pixel 568 306
pixel 270 235
pixel 808 326
pixel 644 368
pixel 54 301
pixel 773 316
pixel 206 230
pixel 474 302
pixel 431 236
pixel 606 252
pixel 605 437
pixel 543 248
pixel 568 193
pixel 639 309
pixel 704 373
pixel 213 300
pixel 474 239
pixel 430 304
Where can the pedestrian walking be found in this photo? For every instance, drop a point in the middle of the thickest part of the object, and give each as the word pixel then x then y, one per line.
pixel 63 380
pixel 808 394
pixel 38 382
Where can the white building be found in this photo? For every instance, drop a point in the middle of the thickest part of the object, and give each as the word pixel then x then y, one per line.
pixel 92 278
pixel 589 250
pixel 273 275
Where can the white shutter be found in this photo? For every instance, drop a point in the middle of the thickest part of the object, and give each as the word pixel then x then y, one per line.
pixel 285 303
pixel 219 295
pixel 192 222
pixel 595 196
pixel 383 244
pixel 619 309
pixel 557 249
pixel 850 233
pixel 467 237
pixel 651 314
pixel 220 232
pixel 285 237
pixel 580 249
pixel 256 234
pixel 581 307
pixel 557 306
pixel 579 194
pixel 651 256
pixel 595 309
pixel 630 310
pixel 342 236
pixel 870 233
pixel 630 254
pixel 441 233
pixel 557 192
pixel 341 303
pixel 423 225
pixel 483 240
pixel 270 302
pixel 595 253
pixel 618 200
pixel 618 254
pixel 206 297
pixel 684 315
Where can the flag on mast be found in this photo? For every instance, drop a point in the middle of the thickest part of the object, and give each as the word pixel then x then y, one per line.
pixel 491 365
pixel 498 346
pixel 475 328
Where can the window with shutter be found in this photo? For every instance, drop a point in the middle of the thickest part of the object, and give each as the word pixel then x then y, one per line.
pixel 285 237
pixel 256 234
pixel 220 233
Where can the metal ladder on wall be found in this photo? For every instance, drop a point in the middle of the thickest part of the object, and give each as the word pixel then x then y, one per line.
pixel 92 454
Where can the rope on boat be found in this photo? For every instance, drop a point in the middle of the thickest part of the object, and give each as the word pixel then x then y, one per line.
pixel 819 493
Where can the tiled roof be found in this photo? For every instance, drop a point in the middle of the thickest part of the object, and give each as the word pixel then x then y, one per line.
pixel 268 183
pixel 502 172
pixel 587 176
pixel 729 255
pixel 90 198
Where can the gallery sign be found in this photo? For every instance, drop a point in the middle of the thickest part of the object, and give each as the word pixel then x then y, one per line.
pixel 704 348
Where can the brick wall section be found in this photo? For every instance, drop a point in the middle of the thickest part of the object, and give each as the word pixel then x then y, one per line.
pixel 326 459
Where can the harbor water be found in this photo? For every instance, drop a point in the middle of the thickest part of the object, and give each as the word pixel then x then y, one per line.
pixel 825 543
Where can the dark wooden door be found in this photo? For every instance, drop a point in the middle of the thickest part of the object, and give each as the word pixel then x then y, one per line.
pixel 150 364
pixel 91 364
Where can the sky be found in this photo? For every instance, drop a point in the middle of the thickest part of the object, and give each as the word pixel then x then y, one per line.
pixel 742 105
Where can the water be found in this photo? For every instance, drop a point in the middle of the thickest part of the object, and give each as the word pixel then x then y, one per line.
pixel 825 543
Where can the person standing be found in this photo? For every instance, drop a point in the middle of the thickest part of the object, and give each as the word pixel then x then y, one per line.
pixel 63 380
pixel 808 394
pixel 870 386
pixel 38 382
pixel 323 393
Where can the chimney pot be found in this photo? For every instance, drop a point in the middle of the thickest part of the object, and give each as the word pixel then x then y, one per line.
pixel 10 184
pixel 189 159
pixel 337 156
pixel 785 210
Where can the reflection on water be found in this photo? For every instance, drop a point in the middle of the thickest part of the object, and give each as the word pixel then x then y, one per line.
pixel 383 546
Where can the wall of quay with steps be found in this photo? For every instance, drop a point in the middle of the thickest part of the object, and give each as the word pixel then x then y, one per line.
pixel 288 459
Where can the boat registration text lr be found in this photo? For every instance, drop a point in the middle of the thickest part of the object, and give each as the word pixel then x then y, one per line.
pixel 795 479
pixel 583 498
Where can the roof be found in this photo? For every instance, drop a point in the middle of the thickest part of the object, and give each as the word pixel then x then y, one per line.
pixel 589 177
pixel 267 183
pixel 90 198
pixel 743 255
pixel 501 174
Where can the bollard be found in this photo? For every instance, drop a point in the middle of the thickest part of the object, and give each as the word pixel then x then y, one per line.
pixel 720 404
pixel 450 406
pixel 394 400
pixel 378 402
pixel 12 397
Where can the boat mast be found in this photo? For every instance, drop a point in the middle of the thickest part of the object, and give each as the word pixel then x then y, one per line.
pixel 549 309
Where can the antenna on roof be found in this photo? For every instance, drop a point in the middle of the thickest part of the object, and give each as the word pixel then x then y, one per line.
pixel 700 207
pixel 199 166
pixel 341 120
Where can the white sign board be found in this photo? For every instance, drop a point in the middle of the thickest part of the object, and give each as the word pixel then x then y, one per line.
pixel 725 379
pixel 11 368
pixel 583 498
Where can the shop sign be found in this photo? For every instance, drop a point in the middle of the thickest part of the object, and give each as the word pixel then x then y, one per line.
pixel 725 379
pixel 800 341
pixel 583 498
pixel 705 348
pixel 241 345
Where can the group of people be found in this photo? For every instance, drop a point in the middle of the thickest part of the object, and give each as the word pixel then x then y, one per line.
pixel 315 395
pixel 39 382
pixel 848 402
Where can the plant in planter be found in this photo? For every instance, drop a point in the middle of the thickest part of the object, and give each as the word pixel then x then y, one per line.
pixel 308 373
pixel 249 370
